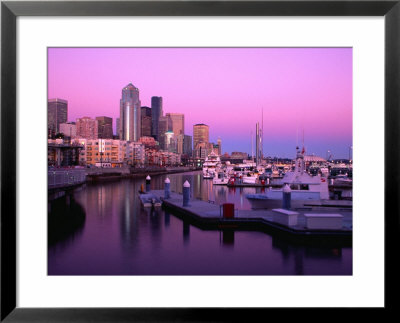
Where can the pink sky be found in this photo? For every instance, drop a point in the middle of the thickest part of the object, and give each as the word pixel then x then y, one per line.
pixel 226 88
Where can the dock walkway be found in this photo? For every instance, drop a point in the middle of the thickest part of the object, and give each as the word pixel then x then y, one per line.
pixel 209 215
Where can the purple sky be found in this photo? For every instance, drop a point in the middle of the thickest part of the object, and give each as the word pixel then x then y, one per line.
pixel 298 89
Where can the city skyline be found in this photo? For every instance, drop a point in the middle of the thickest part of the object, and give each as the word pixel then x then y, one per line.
pixel 298 89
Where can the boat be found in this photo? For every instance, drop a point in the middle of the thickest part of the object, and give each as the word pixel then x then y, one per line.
pixel 149 200
pixel 221 178
pixel 304 188
pixel 343 180
pixel 211 165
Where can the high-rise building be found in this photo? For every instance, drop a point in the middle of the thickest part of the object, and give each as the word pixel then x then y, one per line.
pixel 68 129
pixel 200 134
pixel 117 126
pixel 219 144
pixel 130 114
pixel 187 145
pixel 105 130
pixel 146 122
pixel 164 125
pixel 178 123
pixel 156 113
pixel 57 112
pixel 87 128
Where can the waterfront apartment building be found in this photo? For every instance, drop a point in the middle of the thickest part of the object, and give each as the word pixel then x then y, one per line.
pixel 105 130
pixel 145 122
pixel 114 151
pixel 68 129
pixel 87 128
pixel 156 113
pixel 130 114
pixel 57 112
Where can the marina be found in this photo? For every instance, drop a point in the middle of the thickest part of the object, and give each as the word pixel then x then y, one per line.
pixel 116 234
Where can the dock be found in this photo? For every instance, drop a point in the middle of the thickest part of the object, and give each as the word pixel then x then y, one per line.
pixel 208 215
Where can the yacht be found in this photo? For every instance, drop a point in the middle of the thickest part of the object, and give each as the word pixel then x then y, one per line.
pixel 211 165
pixel 304 188
pixel 221 178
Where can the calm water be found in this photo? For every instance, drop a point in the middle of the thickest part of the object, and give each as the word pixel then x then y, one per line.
pixel 101 229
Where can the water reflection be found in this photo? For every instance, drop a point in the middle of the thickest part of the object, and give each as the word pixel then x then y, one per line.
pixel 66 219
pixel 120 237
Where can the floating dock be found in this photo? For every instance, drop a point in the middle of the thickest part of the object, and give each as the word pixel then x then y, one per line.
pixel 208 215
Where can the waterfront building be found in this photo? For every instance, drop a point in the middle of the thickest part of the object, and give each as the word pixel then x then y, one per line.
pixel 87 128
pixel 97 151
pixel 135 153
pixel 57 112
pixel 148 142
pixel 161 158
pixel 105 130
pixel 145 122
pixel 164 125
pixel 61 154
pixel 68 129
pixel 130 114
pixel 156 113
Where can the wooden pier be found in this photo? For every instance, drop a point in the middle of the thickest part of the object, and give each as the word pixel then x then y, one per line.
pixel 208 215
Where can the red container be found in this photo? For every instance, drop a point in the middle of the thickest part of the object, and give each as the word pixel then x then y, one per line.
pixel 228 210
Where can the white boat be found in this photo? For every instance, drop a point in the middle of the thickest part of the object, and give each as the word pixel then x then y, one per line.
pixel 221 178
pixel 304 188
pixel 211 165
pixel 343 180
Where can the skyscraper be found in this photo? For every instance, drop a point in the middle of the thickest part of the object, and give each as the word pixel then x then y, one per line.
pixel 156 113
pixel 57 112
pixel 178 123
pixel 200 134
pixel 146 122
pixel 164 125
pixel 130 114
pixel 105 130
pixel 87 128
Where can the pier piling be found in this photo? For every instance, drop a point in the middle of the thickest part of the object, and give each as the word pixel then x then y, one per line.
pixel 148 180
pixel 186 193
pixel 167 184
pixel 286 197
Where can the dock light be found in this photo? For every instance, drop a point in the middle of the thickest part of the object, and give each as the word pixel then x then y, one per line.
pixel 167 188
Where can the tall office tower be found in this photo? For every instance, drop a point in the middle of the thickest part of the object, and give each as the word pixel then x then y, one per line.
pixel 178 128
pixel 156 113
pixel 57 112
pixel 164 125
pixel 130 114
pixel 178 123
pixel 117 126
pixel 219 146
pixel 187 145
pixel 87 128
pixel 105 130
pixel 146 122
pixel 200 134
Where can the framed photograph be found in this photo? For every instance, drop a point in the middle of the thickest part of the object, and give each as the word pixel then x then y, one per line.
pixel 162 159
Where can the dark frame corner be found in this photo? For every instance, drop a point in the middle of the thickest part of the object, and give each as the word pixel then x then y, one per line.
pixel 10 10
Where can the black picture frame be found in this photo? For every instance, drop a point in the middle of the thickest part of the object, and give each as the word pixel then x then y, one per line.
pixel 10 10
